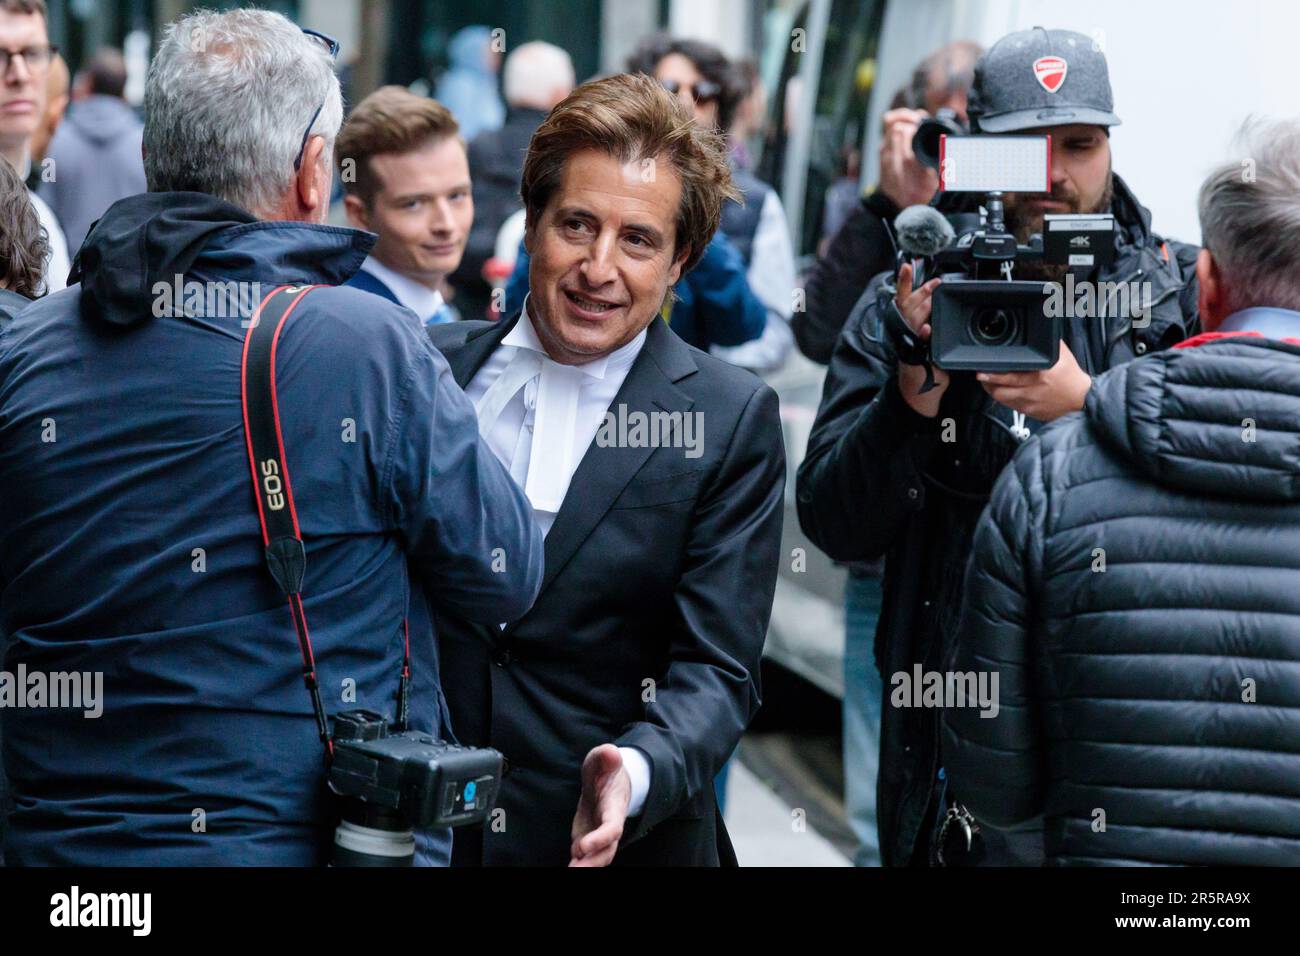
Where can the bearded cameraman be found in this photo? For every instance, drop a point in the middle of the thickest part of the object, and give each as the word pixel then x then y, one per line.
pixel 895 471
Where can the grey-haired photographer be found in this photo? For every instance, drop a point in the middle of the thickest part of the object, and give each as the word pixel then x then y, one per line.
pixel 133 544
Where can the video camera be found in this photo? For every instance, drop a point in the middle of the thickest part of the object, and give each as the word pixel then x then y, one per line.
pixel 982 318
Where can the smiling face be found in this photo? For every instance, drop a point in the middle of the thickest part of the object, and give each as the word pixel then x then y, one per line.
pixel 422 210
pixel 602 256
pixel 22 89
pixel 1081 180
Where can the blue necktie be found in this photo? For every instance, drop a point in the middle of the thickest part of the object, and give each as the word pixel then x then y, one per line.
pixel 440 315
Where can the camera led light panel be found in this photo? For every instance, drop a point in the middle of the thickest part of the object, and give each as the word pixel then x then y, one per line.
pixel 1007 164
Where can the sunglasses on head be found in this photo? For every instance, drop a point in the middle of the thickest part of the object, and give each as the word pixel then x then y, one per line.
pixel 701 92
pixel 331 45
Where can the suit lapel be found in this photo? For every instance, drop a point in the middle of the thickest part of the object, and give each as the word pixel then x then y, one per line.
pixel 466 359
pixel 604 472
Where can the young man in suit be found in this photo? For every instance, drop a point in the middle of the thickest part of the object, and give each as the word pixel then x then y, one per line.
pixel 405 173
pixel 656 473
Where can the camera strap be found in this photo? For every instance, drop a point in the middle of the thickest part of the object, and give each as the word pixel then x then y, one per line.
pixel 286 556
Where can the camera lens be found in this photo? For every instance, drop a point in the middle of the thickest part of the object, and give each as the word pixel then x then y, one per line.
pixel 370 835
pixel 993 327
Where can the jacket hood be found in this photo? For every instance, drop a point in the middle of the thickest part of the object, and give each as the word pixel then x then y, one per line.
pixel 1222 418
pixel 153 237
pixel 102 119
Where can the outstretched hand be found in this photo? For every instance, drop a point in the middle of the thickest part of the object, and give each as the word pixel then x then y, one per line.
pixel 602 808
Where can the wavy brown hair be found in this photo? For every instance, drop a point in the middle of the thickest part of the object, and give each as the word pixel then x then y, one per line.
pixel 632 117
pixel 390 120
pixel 24 247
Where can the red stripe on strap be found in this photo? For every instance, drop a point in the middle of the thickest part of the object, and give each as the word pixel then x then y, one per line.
pixel 243 401
pixel 275 409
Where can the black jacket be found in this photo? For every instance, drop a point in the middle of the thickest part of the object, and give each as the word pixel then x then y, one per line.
pixel 878 479
pixel 863 247
pixel 1134 587
pixel 660 572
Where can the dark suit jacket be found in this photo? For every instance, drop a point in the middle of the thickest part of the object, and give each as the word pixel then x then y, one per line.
pixel 660 571
pixel 368 283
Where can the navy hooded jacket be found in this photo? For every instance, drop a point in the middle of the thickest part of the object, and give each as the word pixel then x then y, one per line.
pixel 130 545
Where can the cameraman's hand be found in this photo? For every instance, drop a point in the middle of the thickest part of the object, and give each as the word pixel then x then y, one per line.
pixel 602 808
pixel 1045 395
pixel 914 304
pixel 902 177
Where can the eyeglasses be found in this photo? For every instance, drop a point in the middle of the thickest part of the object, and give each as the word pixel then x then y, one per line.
pixel 701 92
pixel 34 57
pixel 331 45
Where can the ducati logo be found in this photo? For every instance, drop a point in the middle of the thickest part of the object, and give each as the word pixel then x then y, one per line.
pixel 1049 71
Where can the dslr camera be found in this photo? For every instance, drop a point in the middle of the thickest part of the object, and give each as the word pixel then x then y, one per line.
pixel 983 318
pixel 391 784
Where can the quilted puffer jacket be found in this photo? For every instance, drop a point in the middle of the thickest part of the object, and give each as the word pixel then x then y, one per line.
pixel 1135 586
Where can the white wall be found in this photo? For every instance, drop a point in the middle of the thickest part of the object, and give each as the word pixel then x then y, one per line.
pixel 724 23
pixel 623 23
pixel 1185 75
pixel 340 19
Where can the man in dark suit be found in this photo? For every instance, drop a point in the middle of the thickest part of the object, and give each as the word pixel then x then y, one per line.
pixel 657 475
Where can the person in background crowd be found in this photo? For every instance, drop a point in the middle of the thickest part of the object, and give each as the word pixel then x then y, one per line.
pixel 58 85
pixel 469 86
pixel 23 251
pixel 750 122
pixel 863 246
pixel 703 79
pixel 96 151
pixel 843 196
pixel 406 177
pixel 25 58
pixel 536 76
pixel 630 682
pixel 1132 584
pixel 130 535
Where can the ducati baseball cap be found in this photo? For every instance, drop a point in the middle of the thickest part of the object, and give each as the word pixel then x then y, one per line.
pixel 1041 77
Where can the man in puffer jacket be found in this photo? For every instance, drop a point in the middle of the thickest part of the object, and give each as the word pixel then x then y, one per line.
pixel 1133 584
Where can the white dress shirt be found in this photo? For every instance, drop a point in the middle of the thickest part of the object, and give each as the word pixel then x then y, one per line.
pixel 416 296
pixel 565 404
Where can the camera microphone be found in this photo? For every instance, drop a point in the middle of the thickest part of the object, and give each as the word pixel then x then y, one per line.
pixel 922 231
